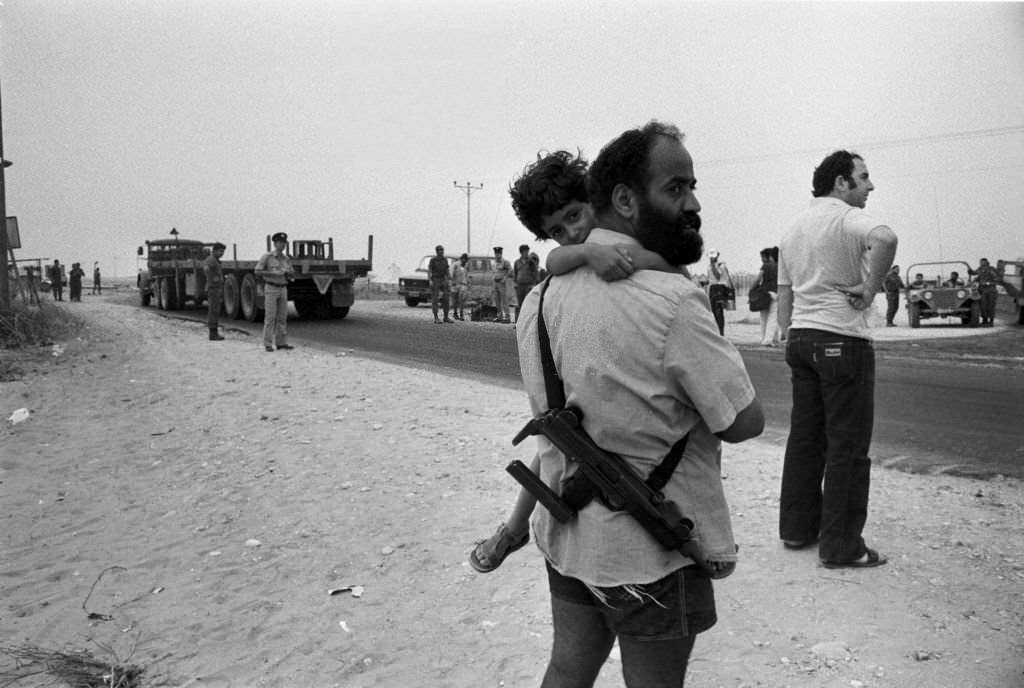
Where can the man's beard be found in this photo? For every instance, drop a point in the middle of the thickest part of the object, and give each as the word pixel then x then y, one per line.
pixel 677 239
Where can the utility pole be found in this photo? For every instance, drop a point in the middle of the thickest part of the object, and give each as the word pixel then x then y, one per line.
pixel 5 282
pixel 469 189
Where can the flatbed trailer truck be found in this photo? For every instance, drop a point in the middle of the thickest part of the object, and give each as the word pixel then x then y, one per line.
pixel 323 286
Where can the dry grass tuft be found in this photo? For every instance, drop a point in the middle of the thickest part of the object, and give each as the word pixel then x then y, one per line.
pixel 72 669
pixel 23 326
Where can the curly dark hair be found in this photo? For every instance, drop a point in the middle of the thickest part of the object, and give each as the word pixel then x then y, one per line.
pixel 624 161
pixel 546 186
pixel 837 164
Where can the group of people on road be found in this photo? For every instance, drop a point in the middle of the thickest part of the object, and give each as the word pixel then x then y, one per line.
pixel 450 283
pixel 59 278
pixel 626 339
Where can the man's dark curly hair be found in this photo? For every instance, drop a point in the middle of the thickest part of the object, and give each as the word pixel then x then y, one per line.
pixel 837 164
pixel 624 161
pixel 546 186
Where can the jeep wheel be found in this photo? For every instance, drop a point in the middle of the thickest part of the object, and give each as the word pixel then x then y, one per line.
pixel 232 303
pixel 914 313
pixel 411 302
pixel 975 317
pixel 250 311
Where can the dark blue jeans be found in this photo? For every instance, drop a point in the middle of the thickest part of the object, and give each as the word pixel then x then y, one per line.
pixel 827 472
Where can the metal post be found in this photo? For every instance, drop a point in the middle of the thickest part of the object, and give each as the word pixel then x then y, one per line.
pixel 469 189
pixel 5 283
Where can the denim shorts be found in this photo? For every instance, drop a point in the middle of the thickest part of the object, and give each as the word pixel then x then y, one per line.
pixel 678 605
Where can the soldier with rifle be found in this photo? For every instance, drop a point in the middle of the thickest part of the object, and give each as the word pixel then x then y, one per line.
pixel 632 390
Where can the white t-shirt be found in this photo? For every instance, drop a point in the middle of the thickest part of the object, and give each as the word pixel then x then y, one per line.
pixel 826 248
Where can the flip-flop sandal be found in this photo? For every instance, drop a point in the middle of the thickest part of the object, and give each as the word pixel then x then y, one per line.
pixel 874 559
pixel 503 545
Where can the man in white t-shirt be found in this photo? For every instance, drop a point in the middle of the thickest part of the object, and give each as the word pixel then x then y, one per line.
pixel 832 262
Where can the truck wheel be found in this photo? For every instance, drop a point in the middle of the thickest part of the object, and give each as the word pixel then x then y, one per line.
pixel 975 317
pixel 322 307
pixel 305 309
pixel 248 292
pixel 145 296
pixel 173 296
pixel 232 306
pixel 914 313
pixel 168 294
pixel 339 312
pixel 411 302
pixel 158 293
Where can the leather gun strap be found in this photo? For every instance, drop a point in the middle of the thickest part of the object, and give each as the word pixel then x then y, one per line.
pixel 659 477
pixel 552 382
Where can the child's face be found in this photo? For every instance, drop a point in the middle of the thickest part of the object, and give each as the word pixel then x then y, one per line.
pixel 570 224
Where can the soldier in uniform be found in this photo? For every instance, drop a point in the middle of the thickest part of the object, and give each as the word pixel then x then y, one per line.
pixel 275 270
pixel 460 286
pixel 893 285
pixel 440 277
pixel 502 270
pixel 57 280
pixel 987 278
pixel 214 289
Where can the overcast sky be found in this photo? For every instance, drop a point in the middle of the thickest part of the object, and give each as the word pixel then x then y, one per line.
pixel 232 119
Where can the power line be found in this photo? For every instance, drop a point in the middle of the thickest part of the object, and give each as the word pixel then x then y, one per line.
pixel 874 145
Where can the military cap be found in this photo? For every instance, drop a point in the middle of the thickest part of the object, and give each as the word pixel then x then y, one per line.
pixel 280 236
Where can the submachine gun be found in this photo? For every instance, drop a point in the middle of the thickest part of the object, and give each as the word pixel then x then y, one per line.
pixel 602 474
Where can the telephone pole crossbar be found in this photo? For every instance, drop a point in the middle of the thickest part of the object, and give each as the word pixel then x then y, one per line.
pixel 469 189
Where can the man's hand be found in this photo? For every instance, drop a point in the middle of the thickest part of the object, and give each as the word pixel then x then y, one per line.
pixel 610 262
pixel 860 296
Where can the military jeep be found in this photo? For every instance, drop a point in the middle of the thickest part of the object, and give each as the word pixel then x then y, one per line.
pixel 936 298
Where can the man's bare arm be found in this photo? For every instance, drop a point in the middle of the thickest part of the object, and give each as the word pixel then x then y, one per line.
pixel 882 243
pixel 749 423
pixel 785 316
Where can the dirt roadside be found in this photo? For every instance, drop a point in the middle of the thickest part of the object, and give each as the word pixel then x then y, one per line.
pixel 200 500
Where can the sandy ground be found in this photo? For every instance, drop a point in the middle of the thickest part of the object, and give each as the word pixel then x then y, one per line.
pixel 190 506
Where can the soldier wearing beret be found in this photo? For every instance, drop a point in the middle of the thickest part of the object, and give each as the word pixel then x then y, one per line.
pixel 214 289
pixel 275 270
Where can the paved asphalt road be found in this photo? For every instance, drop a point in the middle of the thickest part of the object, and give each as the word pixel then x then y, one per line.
pixel 930 416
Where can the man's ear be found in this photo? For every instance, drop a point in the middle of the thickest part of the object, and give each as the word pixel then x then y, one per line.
pixel 624 201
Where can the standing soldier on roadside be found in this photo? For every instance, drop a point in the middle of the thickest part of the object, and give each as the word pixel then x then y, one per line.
pixel 987 277
pixel 502 269
pixel 460 286
pixel 525 275
pixel 437 270
pixel 57 280
pixel 275 270
pixel 892 285
pixel 214 289
pixel 96 288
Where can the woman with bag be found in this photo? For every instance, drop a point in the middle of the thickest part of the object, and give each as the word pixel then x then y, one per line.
pixel 764 296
